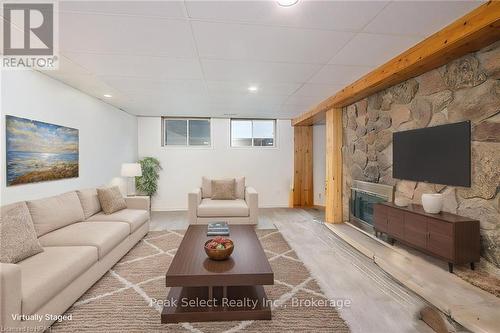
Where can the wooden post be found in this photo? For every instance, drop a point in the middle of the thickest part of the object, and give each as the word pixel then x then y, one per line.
pixel 303 194
pixel 333 193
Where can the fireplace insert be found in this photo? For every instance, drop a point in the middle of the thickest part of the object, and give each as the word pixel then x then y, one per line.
pixel 363 196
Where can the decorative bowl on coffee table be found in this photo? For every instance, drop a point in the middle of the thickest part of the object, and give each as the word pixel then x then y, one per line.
pixel 219 248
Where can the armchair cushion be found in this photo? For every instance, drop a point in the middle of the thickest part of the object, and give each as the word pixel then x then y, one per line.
pixel 223 189
pixel 223 208
pixel 206 187
pixel 240 187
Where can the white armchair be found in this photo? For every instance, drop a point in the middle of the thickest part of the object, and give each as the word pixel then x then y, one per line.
pixel 202 209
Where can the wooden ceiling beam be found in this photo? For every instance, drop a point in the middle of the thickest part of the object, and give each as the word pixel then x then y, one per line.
pixel 475 30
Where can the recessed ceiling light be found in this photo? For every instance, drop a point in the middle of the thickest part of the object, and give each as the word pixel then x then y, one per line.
pixel 253 88
pixel 287 3
pixel 108 95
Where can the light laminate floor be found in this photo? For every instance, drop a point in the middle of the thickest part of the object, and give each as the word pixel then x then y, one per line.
pixel 379 303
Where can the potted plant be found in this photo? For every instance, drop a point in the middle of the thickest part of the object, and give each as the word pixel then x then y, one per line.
pixel 148 182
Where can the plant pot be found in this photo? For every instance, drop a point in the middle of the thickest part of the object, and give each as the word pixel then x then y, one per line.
pixel 432 202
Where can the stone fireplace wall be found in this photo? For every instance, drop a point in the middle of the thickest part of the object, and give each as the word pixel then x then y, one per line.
pixel 465 89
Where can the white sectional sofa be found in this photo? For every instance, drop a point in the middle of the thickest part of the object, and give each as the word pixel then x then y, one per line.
pixel 80 244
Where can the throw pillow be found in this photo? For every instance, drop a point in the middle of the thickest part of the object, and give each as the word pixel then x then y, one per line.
pixel 111 199
pixel 90 201
pixel 18 239
pixel 223 189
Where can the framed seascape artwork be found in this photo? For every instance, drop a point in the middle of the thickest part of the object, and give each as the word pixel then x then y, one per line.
pixel 38 152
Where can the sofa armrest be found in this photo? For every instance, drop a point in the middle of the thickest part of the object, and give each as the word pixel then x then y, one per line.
pixel 10 295
pixel 252 199
pixel 137 202
pixel 194 200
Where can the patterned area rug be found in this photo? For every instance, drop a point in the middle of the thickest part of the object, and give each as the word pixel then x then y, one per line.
pixel 122 300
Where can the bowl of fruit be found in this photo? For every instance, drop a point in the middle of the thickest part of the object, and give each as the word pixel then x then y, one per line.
pixel 219 248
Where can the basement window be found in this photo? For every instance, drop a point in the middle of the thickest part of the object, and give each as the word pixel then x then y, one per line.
pixel 186 132
pixel 253 132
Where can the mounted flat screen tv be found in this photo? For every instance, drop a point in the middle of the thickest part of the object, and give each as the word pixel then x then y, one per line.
pixel 440 154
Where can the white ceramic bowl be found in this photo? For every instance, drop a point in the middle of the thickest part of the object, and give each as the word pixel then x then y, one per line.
pixel 432 202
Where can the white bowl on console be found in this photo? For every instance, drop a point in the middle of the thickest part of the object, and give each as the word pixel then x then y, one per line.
pixel 432 202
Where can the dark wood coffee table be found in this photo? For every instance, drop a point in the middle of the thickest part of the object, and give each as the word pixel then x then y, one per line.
pixel 206 290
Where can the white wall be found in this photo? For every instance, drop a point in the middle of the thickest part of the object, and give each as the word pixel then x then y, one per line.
pixel 319 164
pixel 268 170
pixel 108 136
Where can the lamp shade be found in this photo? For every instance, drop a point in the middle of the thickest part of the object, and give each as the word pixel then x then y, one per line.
pixel 131 170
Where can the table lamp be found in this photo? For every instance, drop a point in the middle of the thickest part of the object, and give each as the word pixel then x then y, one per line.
pixel 131 170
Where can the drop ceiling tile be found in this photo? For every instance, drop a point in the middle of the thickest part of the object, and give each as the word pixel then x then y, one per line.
pixel 67 67
pixel 266 43
pixel 144 54
pixel 419 18
pixel 158 68
pixel 318 90
pixel 373 49
pixel 332 15
pixel 303 100
pixel 92 86
pixel 227 87
pixel 339 74
pixel 257 72
pixel 169 105
pixel 247 100
pixel 129 35
pixel 169 8
pixel 157 109
pixel 151 86
pixel 293 110
pixel 245 111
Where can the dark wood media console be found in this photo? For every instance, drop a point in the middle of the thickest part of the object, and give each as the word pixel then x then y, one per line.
pixel 447 236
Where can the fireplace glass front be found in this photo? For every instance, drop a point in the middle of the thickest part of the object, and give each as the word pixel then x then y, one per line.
pixel 362 205
pixel 363 196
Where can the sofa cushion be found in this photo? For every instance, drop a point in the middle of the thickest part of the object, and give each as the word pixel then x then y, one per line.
pixel 90 202
pixel 222 208
pixel 223 189
pixel 105 236
pixel 46 274
pixel 206 187
pixel 55 212
pixel 134 217
pixel 240 187
pixel 18 239
pixel 111 199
